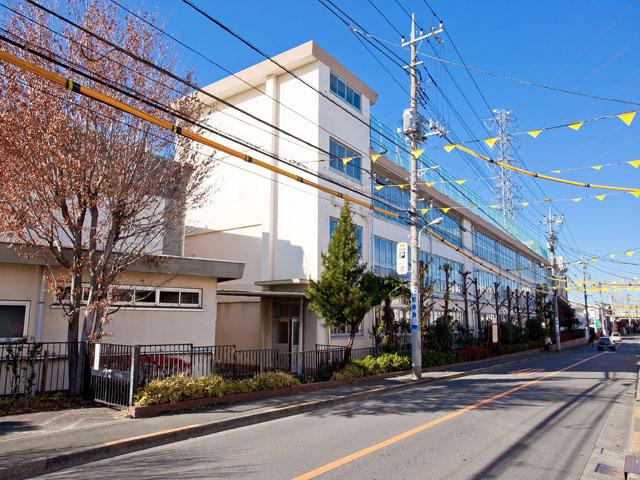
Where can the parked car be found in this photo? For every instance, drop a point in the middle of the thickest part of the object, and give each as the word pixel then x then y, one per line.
pixel 616 337
pixel 605 343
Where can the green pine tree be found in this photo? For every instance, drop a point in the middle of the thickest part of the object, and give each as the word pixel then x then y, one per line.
pixel 345 291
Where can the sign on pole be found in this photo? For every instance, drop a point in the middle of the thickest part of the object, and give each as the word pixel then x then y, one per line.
pixel 402 258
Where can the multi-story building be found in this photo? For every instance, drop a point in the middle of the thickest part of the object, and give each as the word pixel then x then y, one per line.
pixel 279 227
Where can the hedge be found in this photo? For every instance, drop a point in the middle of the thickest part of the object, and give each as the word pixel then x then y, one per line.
pixel 181 387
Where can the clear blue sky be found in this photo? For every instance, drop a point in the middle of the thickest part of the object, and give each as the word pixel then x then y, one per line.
pixel 589 46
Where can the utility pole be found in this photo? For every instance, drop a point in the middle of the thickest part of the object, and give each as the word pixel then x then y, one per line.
pixel 584 290
pixel 414 129
pixel 551 221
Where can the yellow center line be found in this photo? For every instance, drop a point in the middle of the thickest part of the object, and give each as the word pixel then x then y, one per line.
pixel 432 423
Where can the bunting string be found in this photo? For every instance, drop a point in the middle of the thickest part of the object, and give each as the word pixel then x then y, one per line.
pixel 635 191
pixel 625 117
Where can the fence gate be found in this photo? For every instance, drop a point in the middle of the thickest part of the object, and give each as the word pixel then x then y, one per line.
pixel 111 373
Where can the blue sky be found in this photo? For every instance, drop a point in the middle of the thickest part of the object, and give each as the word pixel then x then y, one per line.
pixel 587 46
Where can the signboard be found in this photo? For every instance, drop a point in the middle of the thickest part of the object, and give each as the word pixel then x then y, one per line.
pixel 402 258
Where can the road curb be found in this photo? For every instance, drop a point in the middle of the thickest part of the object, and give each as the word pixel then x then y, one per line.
pixel 632 460
pixel 142 442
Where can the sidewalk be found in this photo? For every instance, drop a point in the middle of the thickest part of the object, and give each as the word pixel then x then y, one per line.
pixel 37 443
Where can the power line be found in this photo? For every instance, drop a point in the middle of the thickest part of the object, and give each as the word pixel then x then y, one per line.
pixel 278 64
pixel 229 72
pixel 170 74
pixel 88 92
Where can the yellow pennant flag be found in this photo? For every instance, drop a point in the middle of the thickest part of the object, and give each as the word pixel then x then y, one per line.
pixel 627 118
pixel 634 163
pixel 375 157
pixel 445 209
pixel 402 186
pixel 494 206
pixel 429 184
pixel 597 167
pixel 417 152
pixel 594 260
pixel 346 160
pixel 629 253
pixel 448 148
pixel 635 193
pixel 612 255
pixel 379 187
pixel 575 126
pixel 556 171
pixel 600 197
pixel 491 141
pixel 424 210
pixel 577 199
pixel 534 133
pixel 460 182
pixel 524 204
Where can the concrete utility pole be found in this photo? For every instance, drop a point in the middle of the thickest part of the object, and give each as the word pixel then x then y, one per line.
pixel 414 129
pixel 584 290
pixel 551 221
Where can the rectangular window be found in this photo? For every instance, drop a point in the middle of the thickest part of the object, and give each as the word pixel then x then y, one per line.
pixel 450 227
pixel 333 222
pixel 152 297
pixel 346 330
pixel 145 296
pixel 384 256
pixel 339 153
pixel 391 195
pixel 344 91
pixel 13 319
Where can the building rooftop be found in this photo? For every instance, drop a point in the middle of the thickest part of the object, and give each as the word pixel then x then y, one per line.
pixel 296 57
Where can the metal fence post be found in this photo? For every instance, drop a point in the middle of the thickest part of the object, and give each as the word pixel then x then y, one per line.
pixel 133 379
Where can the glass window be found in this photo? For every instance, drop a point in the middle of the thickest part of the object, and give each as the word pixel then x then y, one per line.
pixel 144 295
pixel 13 319
pixel 344 91
pixel 170 296
pixel 391 195
pixel 189 298
pixel 338 152
pixel 450 227
pixel 333 222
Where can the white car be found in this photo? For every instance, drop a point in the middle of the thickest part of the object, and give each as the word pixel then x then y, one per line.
pixel 615 336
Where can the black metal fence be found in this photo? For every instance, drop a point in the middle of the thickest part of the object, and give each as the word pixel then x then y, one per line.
pixel 29 368
pixel 115 371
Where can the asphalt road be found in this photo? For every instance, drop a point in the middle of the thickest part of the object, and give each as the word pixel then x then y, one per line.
pixel 539 420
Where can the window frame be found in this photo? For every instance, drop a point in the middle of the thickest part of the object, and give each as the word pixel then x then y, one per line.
pixel 339 82
pixel 336 164
pixel 156 304
pixel 25 325
pixel 342 333
pixel 333 222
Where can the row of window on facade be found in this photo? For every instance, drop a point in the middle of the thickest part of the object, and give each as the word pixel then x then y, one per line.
pixel 384 263
pixel 147 297
pixel 14 314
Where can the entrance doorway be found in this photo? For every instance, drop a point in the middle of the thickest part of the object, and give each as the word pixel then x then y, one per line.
pixel 287 332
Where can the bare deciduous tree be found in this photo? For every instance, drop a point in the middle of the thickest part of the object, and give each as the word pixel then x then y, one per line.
pixel 91 188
